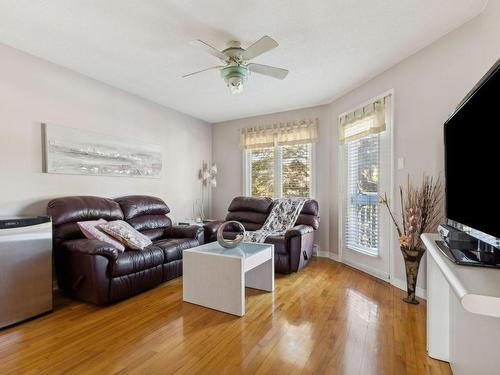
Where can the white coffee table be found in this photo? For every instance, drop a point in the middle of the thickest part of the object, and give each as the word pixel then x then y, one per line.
pixel 215 277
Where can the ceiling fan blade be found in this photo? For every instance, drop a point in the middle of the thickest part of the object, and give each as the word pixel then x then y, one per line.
pixel 264 44
pixel 267 70
pixel 204 70
pixel 209 49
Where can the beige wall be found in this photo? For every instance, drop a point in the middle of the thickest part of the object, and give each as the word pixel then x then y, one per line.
pixel 427 86
pixel 34 91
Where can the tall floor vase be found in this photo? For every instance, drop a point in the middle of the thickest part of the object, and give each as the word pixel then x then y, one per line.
pixel 412 260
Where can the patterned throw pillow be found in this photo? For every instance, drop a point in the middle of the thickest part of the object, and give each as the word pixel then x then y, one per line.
pixel 127 235
pixel 91 231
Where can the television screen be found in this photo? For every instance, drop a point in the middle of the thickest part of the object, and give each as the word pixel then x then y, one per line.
pixel 472 158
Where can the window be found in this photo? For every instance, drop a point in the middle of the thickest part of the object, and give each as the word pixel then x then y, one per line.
pixel 278 159
pixel 280 171
pixel 362 175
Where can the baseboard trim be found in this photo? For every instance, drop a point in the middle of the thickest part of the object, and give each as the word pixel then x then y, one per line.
pixel 326 254
pixel 401 284
pixel 398 283
pixel 370 271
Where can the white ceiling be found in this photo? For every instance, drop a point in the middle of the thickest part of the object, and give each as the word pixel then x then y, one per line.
pixel 329 46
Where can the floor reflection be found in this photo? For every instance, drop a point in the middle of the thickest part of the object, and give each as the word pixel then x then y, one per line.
pixel 296 342
pixel 360 306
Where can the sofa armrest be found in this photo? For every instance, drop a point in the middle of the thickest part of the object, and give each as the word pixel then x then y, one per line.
pixel 181 231
pixel 91 247
pixel 298 230
pixel 82 268
pixel 211 229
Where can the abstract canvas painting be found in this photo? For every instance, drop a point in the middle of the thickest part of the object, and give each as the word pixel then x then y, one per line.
pixel 75 151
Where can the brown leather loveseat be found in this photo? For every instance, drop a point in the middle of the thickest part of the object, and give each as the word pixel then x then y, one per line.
pixel 293 250
pixel 95 271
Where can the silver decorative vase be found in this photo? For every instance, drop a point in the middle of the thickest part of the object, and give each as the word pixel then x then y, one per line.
pixel 226 243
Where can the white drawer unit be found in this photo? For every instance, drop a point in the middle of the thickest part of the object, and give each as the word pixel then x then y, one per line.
pixel 25 268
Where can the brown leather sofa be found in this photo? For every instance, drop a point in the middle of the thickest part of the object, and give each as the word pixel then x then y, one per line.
pixel 97 272
pixel 293 250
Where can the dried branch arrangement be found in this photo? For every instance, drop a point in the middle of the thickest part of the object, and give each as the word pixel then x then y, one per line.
pixel 420 211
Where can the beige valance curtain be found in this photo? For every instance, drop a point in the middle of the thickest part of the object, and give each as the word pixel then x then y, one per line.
pixel 290 133
pixel 366 120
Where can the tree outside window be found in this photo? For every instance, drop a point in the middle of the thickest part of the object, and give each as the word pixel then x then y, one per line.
pixel 281 171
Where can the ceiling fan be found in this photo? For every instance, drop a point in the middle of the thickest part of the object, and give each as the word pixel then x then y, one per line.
pixel 237 68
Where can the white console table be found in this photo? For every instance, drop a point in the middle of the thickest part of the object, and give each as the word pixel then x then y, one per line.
pixel 463 313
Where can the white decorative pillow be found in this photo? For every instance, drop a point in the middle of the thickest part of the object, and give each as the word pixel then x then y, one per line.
pixel 91 231
pixel 127 235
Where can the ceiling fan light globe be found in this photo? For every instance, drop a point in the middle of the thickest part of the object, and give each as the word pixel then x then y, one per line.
pixel 235 87
pixel 235 77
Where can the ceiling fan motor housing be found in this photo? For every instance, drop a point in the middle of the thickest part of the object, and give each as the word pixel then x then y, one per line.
pixel 234 51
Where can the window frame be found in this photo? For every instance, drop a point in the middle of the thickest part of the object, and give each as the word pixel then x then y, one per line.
pixel 278 172
pixel 367 262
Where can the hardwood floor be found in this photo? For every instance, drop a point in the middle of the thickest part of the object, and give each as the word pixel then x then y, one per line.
pixel 327 318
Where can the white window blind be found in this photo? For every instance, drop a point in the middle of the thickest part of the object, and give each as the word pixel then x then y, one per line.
pixel 280 172
pixel 296 170
pixel 262 171
pixel 362 162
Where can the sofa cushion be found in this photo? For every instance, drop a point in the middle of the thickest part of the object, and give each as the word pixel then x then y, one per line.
pixel 146 222
pixel 173 248
pixel 154 234
pixel 311 207
pixel 247 217
pixel 310 220
pixel 134 261
pixel 73 209
pixel 309 214
pixel 184 231
pixel 137 205
pixel 127 235
pixel 248 226
pixel 253 204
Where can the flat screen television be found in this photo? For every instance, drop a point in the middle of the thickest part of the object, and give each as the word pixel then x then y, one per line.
pixel 472 161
